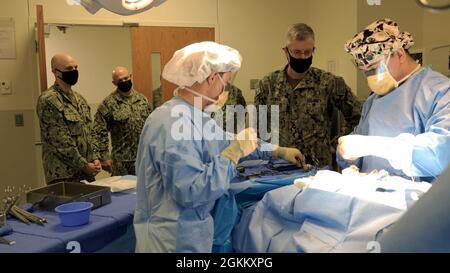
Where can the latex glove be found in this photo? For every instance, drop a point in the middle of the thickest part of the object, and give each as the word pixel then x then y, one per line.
pixel 291 155
pixel 107 165
pixel 242 145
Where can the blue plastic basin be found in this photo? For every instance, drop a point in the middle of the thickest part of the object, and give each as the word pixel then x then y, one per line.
pixel 74 214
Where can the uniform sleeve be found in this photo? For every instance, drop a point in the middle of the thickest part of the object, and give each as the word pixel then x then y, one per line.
pixel 56 134
pixel 262 99
pixel 262 92
pixel 150 107
pixel 157 97
pixel 235 98
pixel 101 132
pixel 240 100
pixel 347 103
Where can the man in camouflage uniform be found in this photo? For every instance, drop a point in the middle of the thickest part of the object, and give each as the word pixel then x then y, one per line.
pixel 306 97
pixel 65 119
pixel 235 98
pixel 123 114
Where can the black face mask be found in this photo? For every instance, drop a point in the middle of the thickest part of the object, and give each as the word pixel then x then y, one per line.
pixel 69 77
pixel 125 86
pixel 300 65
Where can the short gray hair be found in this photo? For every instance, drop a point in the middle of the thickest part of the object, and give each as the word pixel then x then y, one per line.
pixel 299 32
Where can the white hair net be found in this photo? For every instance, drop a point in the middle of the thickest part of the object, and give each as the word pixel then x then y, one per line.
pixel 195 62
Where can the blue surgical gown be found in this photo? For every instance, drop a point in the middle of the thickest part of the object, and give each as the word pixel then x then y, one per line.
pixel 421 107
pixel 179 180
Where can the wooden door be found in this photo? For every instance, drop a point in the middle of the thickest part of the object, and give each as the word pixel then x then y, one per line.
pixel 41 47
pixel 146 41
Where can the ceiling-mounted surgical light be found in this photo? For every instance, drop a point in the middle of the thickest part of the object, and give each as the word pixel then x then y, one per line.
pixel 435 5
pixel 122 7
pixel 136 4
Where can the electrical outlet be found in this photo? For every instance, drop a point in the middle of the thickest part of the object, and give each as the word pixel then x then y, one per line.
pixel 18 118
pixel 5 87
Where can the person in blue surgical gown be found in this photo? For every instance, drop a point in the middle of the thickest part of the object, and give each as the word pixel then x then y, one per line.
pixel 405 124
pixel 185 161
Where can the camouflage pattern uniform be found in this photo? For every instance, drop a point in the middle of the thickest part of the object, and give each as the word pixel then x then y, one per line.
pixel 235 98
pixel 306 110
pixel 157 97
pixel 66 127
pixel 124 117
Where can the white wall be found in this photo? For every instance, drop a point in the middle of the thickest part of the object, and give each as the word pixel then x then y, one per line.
pixel 334 22
pixel 436 36
pixel 407 13
pixel 20 71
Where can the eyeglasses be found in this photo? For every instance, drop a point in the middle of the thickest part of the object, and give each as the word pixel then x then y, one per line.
pixel 373 60
pixel 296 53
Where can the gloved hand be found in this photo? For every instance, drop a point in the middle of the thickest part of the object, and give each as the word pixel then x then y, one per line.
pixel 291 155
pixel 397 150
pixel 242 145
pixel 352 147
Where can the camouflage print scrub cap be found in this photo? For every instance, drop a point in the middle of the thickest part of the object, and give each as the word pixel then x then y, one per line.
pixel 377 40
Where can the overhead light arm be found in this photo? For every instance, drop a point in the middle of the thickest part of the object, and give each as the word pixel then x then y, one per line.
pixel 434 7
pixel 91 5
pixel 122 7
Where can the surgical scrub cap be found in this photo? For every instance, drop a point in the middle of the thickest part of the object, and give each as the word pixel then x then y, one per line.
pixel 377 40
pixel 195 62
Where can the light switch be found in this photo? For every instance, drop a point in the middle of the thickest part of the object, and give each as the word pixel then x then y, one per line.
pixel 374 2
pixel 5 87
pixel 332 66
